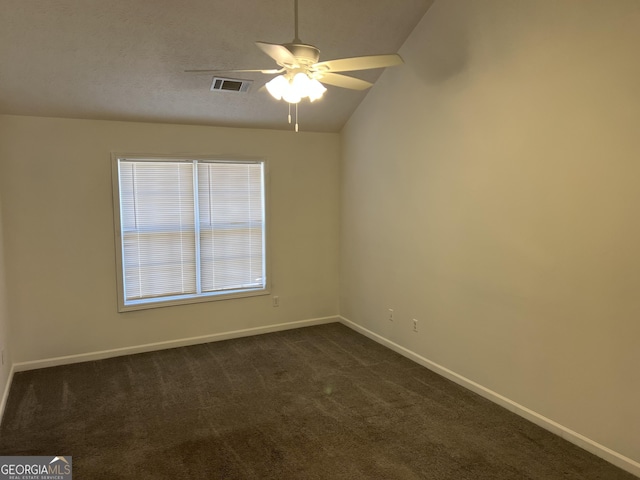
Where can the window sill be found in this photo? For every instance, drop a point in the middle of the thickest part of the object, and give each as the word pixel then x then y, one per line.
pixel 189 299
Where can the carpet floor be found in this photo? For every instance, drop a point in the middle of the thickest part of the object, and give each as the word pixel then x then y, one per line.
pixel 320 402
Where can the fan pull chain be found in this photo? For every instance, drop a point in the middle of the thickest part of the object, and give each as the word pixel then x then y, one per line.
pixel 296 115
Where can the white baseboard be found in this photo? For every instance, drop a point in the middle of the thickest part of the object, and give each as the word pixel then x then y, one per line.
pixel 5 394
pixel 583 442
pixel 182 342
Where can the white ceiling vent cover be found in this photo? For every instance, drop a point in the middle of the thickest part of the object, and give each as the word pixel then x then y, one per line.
pixel 221 84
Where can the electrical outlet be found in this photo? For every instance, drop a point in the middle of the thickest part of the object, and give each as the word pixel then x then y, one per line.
pixel 391 314
pixel 275 301
pixel 415 325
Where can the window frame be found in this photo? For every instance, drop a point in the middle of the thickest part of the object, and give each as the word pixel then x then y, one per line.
pixel 167 301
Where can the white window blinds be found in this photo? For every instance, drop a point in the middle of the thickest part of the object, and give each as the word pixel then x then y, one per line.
pixel 190 228
pixel 231 219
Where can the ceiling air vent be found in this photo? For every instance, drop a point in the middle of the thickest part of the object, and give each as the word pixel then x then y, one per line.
pixel 221 84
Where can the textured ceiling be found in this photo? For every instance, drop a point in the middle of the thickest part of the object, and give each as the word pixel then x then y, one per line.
pixel 124 59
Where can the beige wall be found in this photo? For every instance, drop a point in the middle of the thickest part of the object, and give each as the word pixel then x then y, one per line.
pixel 490 189
pixel 55 185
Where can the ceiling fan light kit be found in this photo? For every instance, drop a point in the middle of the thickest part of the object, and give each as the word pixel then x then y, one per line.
pixel 300 75
pixel 292 88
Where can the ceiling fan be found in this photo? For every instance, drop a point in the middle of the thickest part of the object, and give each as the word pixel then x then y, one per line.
pixel 300 75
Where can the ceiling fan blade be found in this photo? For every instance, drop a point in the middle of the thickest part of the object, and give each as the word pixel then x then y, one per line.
pixel 344 81
pixel 208 72
pixel 359 63
pixel 279 53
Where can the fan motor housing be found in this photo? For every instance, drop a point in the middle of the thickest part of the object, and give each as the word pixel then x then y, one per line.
pixel 305 54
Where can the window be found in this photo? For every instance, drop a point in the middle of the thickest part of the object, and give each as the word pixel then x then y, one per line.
pixel 189 230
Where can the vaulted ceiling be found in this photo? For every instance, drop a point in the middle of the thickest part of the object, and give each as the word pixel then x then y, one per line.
pixel 125 59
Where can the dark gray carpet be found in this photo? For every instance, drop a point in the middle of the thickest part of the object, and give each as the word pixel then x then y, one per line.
pixel 315 403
